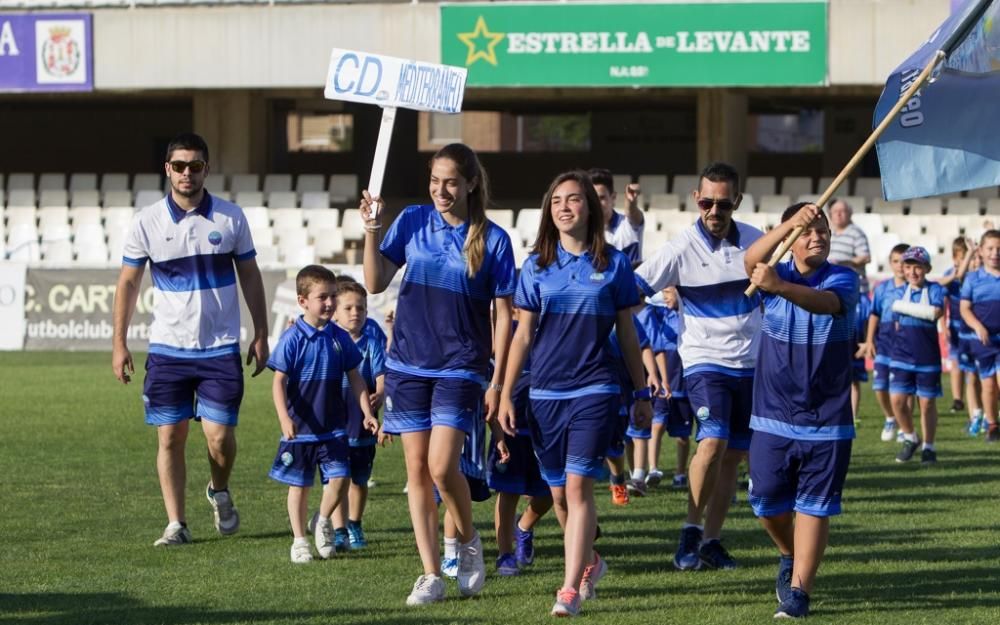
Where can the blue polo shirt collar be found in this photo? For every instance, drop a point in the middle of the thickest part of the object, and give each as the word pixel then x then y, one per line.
pixel 714 242
pixel 564 258
pixel 309 331
pixel 204 207
pixel 438 223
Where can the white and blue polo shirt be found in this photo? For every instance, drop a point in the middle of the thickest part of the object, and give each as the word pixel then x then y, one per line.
pixel 802 385
pixel 315 361
pixel 916 346
pixel 982 290
pixel 720 323
pixel 192 258
pixel 371 366
pixel 577 307
pixel 623 235
pixel 443 323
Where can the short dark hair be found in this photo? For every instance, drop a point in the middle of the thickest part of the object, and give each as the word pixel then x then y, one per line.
pixel 899 248
pixel 989 234
pixel 311 275
pixel 959 244
pixel 599 175
pixel 187 141
pixel 794 208
pixel 349 286
pixel 721 172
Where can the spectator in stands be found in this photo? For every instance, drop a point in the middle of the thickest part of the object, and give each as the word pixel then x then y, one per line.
pixel 849 246
pixel 625 233
pixel 196 245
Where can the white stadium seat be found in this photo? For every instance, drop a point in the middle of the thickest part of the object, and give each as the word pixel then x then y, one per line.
pixel 267 255
pixel 794 186
pixel 844 189
pixel 886 207
pixel 648 184
pixel 684 184
pixel 57 253
pixel 53 197
pixel 276 183
pixel 964 206
pixel 319 218
pixel 328 242
pixel 343 189
pixel 905 227
pixel 282 199
pixel 114 182
pixel 262 235
pixel 747 205
pixel 527 223
pixel 85 215
pixel 244 182
pixel 283 218
pixel 22 243
pixel 257 216
pixel 249 198
pixel 868 188
pixel 925 206
pixel 760 185
pixel 299 255
pixel 502 217
pixel 315 199
pixel 291 237
pixel 122 197
pixel 664 201
pixel 147 197
pixel 21 181
pixel 147 182
pixel 21 197
pixel 985 193
pixel 54 231
pixel 89 197
pixel 774 203
pixel 52 181
pixel 307 183
pixel 352 225
pixel 83 182
pixel 17 215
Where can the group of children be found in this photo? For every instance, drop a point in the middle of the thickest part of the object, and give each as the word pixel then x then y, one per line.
pixel 901 336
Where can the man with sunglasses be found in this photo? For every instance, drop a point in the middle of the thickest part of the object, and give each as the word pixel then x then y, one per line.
pixel 196 246
pixel 718 347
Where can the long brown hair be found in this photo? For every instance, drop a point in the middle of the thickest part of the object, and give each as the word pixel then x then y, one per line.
pixel 548 235
pixel 471 169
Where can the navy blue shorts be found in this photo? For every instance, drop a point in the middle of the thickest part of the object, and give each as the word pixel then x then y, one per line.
pixel 520 475
pixel 880 374
pixel 295 463
pixel 573 435
pixel 674 412
pixel 616 448
pixel 986 358
pixel 804 476
pixel 964 356
pixel 178 389
pixel 661 410
pixel 361 459
pixel 416 404
pixel 858 371
pixel 722 404
pixel 925 384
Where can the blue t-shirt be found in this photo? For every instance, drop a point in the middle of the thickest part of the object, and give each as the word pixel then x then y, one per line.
pixel 802 386
pixel 372 365
pixel 885 294
pixel 917 347
pixel 315 362
pixel 983 289
pixel 861 314
pixel 373 330
pixel 669 337
pixel 442 326
pixel 618 359
pixel 577 306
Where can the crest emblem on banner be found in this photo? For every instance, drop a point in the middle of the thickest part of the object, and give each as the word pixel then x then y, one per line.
pixel 60 53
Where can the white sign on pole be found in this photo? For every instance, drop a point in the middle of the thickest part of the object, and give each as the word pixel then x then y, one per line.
pixel 392 83
pixel 12 279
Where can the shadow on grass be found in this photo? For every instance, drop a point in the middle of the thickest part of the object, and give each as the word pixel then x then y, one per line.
pixel 118 609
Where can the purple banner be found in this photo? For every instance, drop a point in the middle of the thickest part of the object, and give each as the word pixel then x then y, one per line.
pixel 46 52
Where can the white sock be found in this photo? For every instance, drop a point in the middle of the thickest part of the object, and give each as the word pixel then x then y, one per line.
pixel 929 446
pixel 912 437
pixel 639 474
pixel 977 414
pixel 890 420
pixel 524 530
pixel 174 526
pixel 450 548
pixel 654 469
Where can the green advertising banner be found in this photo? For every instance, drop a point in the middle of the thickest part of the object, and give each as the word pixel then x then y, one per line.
pixel 663 45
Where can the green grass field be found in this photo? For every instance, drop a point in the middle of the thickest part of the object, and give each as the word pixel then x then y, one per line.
pixel 81 508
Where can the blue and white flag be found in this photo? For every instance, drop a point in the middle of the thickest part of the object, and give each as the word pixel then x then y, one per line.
pixel 946 137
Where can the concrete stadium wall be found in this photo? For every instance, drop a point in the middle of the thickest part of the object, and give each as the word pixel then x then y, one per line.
pixel 289 46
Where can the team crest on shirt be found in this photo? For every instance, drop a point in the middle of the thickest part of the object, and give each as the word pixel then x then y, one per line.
pixel 215 237
pixel 597 277
pixel 287 459
pixel 388 404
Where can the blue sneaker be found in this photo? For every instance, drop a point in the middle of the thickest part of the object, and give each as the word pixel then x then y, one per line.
pixel 341 540
pixel 714 556
pixel 507 565
pixel 686 558
pixel 524 546
pixel 356 535
pixel 977 425
pixel 680 482
pixel 449 567
pixel 783 583
pixel 795 606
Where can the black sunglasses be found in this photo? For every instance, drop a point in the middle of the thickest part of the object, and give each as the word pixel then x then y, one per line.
pixel 707 203
pixel 195 166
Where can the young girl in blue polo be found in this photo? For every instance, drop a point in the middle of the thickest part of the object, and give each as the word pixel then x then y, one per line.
pixel 572 291
pixel 457 264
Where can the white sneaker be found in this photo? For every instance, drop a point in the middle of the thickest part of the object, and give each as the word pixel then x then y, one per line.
pixel 173 536
pixel 323 535
pixel 427 589
pixel 654 478
pixel 227 517
pixel 471 569
pixel 591 575
pixel 301 552
pixel 889 432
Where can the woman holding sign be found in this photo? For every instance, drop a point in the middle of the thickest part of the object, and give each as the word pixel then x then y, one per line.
pixel 457 264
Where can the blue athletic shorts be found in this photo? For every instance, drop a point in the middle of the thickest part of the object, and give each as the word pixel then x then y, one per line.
pixel 804 476
pixel 986 358
pixel 616 448
pixel 880 374
pixel 295 463
pixel 674 412
pixel 858 371
pixel 361 459
pixel 177 389
pixel 661 410
pixel 722 404
pixel 573 435
pixel 520 475
pixel 920 383
pixel 964 356
pixel 415 404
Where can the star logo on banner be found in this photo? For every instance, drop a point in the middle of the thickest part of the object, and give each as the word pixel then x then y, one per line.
pixel 482 43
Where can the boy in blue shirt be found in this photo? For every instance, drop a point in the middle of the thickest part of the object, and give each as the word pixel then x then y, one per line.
pixel 802 421
pixel 980 309
pixel 963 364
pixel 880 335
pixel 309 362
pixel 351 314
pixel 915 369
